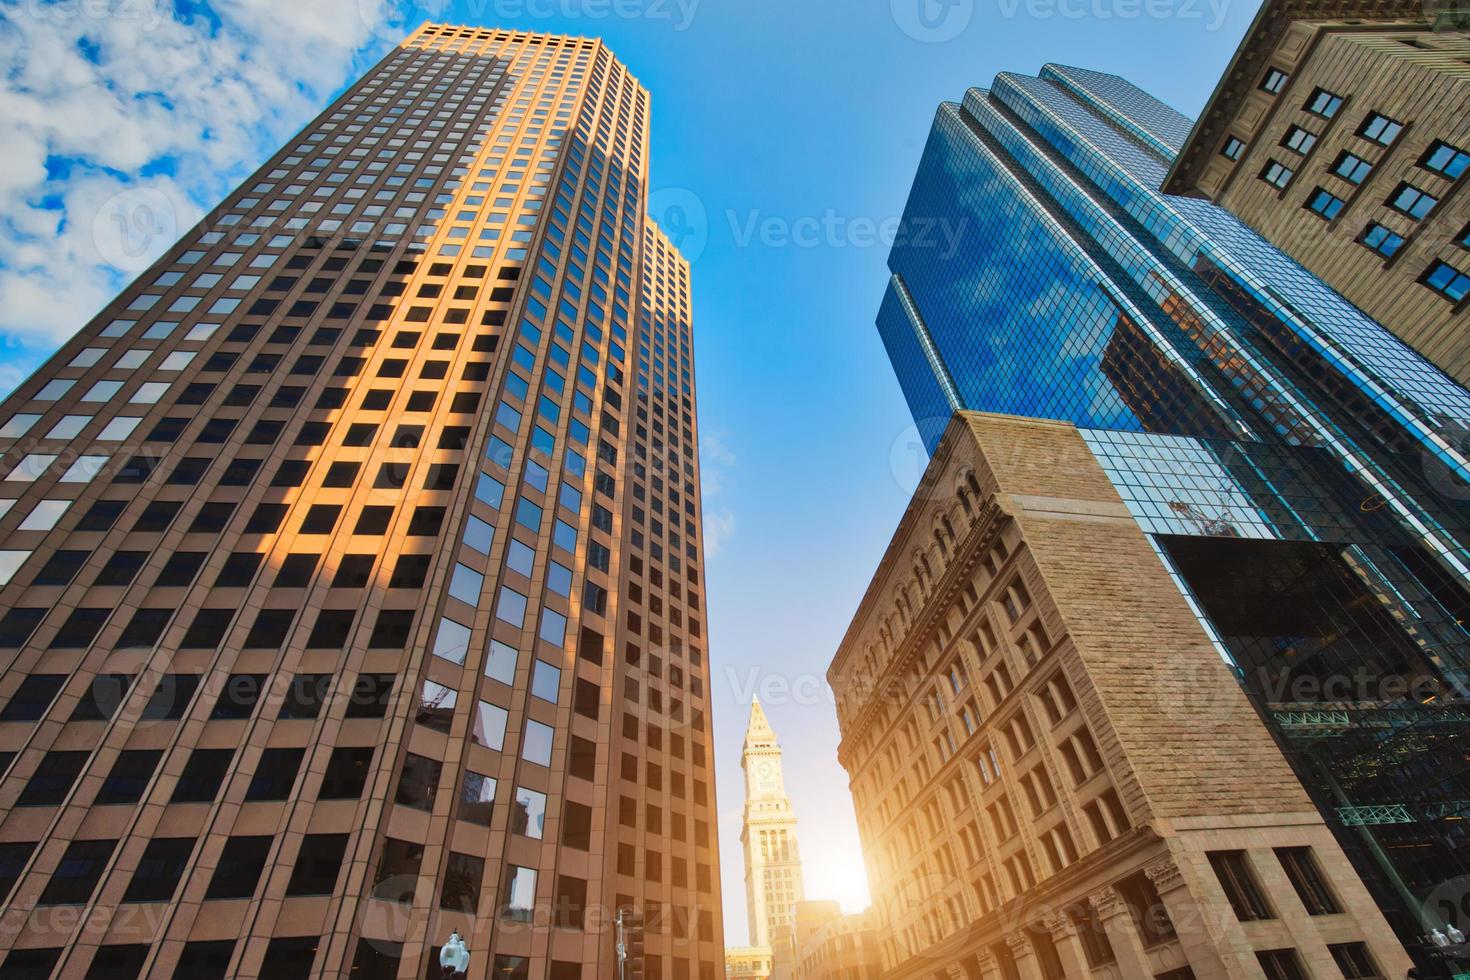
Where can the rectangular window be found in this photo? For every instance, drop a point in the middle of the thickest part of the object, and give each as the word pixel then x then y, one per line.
pixel 519 894
pixel 207 960
pixel 1299 140
pixel 33 697
pixel 240 866
pixel 1324 204
pixel 570 902
pixel 1352 168
pixel 1235 875
pixel 77 874
pixel 159 870
pixel 53 779
pixel 1355 962
pixel 1274 81
pixel 1277 174
pixel 370 696
pixel 347 772
pixel 528 813
pixel 500 662
pixel 436 706
pixel 1381 240
pixel 452 643
pixel 489 725
pixel 1448 281
pixel 1281 964
pixel 1412 201
pixel 1233 148
pixel 129 777
pixel 418 782
pixel 536 746
pixel 275 775
pixel 290 956
pixel 477 798
pixel 398 870
pixel 461 890
pixel 203 774
pixel 1446 160
pixel 1380 129
pixel 306 695
pixel 318 864
pixel 1306 878
pixel 1324 103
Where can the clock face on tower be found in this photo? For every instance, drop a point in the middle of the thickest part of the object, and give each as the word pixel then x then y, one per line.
pixel 765 776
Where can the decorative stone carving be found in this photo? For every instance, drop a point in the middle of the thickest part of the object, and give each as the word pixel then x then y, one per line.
pixel 1165 875
pixel 1019 943
pixel 1059 924
pixel 1108 902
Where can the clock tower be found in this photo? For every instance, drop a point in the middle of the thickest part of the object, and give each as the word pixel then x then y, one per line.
pixel 768 834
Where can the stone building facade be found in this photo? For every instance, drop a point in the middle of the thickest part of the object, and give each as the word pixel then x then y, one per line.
pixel 1055 773
pixel 1341 133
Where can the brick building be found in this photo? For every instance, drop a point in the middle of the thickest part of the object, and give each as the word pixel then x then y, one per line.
pixel 1055 774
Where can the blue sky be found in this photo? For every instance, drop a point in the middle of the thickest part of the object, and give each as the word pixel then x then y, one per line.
pixel 785 135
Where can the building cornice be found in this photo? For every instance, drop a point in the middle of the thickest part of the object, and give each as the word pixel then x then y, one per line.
pixel 936 606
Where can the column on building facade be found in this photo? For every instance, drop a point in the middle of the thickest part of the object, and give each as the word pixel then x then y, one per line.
pixel 1069 944
pixel 1198 936
pixel 1122 931
pixel 1028 966
pixel 989 969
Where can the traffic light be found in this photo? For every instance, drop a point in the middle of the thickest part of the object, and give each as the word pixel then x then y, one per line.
pixel 630 943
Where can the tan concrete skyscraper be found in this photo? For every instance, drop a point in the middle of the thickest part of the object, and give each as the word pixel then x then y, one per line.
pixel 768 833
pixel 352 562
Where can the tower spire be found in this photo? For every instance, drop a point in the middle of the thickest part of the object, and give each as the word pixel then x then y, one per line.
pixel 772 859
pixel 758 730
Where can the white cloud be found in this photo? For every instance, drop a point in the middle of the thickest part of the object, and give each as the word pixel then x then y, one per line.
pixel 719 527
pixel 717 462
pixel 125 120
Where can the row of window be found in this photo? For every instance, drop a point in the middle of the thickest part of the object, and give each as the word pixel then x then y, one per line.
pixel 1441 158
pixel 293 958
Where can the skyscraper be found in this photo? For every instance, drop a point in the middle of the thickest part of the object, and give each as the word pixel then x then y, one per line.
pixel 773 882
pixel 1340 133
pixel 352 559
pixel 1294 466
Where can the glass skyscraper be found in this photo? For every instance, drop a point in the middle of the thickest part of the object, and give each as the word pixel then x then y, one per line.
pixel 352 562
pixel 1301 472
